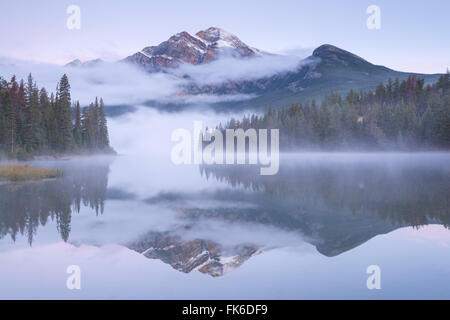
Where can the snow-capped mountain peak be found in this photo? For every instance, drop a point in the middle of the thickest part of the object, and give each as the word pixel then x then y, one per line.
pixel 205 46
pixel 219 37
pixel 223 40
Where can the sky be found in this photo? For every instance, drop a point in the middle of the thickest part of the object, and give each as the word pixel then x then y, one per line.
pixel 413 35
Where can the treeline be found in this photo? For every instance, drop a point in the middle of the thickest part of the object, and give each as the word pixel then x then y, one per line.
pixel 32 122
pixel 415 195
pixel 397 115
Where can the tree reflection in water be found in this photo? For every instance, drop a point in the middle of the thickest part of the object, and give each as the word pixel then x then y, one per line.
pixel 26 205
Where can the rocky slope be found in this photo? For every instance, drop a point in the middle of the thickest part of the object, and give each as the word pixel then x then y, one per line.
pixel 205 46
pixel 186 256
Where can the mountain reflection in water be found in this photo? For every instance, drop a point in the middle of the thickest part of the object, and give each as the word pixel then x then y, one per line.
pixel 335 206
pixel 332 204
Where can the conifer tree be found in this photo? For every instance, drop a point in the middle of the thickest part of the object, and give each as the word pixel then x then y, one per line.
pixel 31 117
pixel 77 125
pixel 44 105
pixel 8 122
pixel 86 128
pixel 64 115
pixel 103 127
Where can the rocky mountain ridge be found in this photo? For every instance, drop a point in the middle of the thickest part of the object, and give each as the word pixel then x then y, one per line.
pixel 203 47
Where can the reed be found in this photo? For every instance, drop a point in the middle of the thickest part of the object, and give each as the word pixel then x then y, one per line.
pixel 20 172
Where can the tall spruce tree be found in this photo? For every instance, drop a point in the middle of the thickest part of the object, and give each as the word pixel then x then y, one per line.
pixel 44 105
pixel 31 122
pixel 103 127
pixel 86 137
pixel 64 115
pixel 77 125
pixel 8 122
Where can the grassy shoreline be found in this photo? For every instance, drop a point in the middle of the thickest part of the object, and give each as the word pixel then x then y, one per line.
pixel 24 156
pixel 22 172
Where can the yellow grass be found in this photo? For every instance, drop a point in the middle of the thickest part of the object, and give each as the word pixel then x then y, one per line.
pixel 19 172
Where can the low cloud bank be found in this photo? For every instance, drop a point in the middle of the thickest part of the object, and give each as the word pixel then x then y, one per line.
pixel 117 83
pixel 125 84
pixel 232 69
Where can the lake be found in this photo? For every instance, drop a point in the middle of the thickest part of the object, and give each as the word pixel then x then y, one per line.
pixel 140 227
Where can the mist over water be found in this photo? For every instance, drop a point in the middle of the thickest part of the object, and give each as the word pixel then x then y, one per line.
pixel 143 218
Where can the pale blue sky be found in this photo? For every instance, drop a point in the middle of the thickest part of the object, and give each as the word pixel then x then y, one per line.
pixel 413 35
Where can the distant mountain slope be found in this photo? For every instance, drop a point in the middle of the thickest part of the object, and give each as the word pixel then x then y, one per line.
pixel 78 63
pixel 332 70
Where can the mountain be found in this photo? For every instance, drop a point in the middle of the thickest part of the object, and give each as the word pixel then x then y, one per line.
pixel 78 63
pixel 185 256
pixel 329 69
pixel 205 46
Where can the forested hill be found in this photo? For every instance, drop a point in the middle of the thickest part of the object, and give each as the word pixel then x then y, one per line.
pixel 398 115
pixel 32 122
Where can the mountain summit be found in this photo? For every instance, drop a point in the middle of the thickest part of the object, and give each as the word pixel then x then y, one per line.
pixel 223 42
pixel 335 55
pixel 204 46
pixel 78 63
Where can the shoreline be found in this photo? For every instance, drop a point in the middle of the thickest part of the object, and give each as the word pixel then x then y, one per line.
pixel 16 172
pixel 57 156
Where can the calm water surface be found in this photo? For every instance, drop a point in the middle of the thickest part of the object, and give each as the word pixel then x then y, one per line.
pixel 142 228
